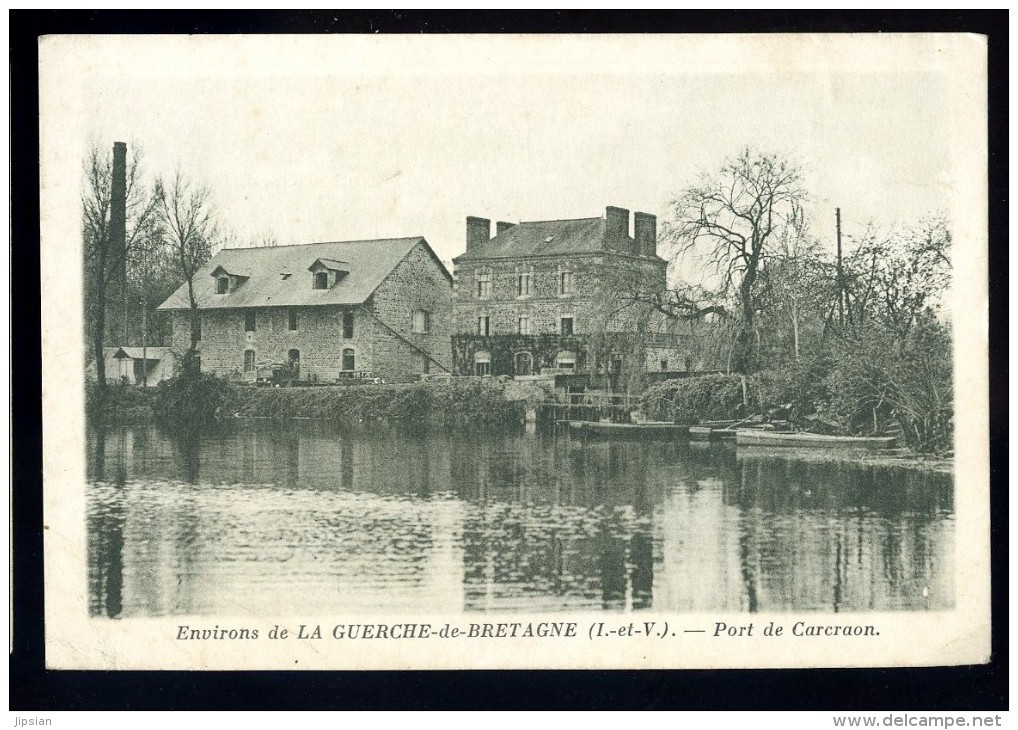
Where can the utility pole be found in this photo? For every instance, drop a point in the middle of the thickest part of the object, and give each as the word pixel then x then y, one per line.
pixel 841 280
pixel 144 341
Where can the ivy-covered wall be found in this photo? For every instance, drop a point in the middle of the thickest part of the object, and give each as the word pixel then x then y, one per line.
pixel 544 350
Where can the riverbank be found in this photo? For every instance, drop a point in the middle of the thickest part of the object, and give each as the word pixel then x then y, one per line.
pixel 460 402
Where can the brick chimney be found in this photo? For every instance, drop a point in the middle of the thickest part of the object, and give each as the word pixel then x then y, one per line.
pixel 478 231
pixel 616 230
pixel 502 226
pixel 645 233
pixel 118 244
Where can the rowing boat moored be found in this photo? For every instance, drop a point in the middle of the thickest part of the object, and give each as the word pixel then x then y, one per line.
pixel 707 433
pixel 630 430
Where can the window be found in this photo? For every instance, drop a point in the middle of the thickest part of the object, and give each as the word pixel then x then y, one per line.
pixel 249 361
pixel 482 363
pixel 222 285
pixel 422 321
pixel 348 359
pixel 664 364
pixel 197 326
pixel 483 327
pixel 348 325
pixel 250 321
pixel 524 325
pixel 523 284
pixel 566 326
pixel 483 286
pixel 565 361
pixel 321 280
pixel 425 364
pixel 291 323
pixel 524 362
pixel 565 282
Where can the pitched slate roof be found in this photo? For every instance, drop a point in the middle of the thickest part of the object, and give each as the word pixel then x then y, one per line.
pixel 531 238
pixel 369 262
pixel 135 353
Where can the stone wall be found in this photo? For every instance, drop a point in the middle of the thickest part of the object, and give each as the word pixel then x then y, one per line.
pixel 544 306
pixel 418 282
pixel 383 341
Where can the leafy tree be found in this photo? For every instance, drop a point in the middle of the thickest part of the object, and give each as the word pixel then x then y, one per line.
pixel 735 217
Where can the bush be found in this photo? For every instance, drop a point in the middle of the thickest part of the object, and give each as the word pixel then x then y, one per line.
pixel 190 401
pixel 442 402
pixel 886 377
pixel 706 398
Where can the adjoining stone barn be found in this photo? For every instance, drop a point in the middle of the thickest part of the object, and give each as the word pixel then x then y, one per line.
pixel 565 297
pixel 320 312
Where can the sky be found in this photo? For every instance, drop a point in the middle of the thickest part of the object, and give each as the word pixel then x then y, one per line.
pixel 355 137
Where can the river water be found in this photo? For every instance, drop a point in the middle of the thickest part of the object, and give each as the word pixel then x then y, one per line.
pixel 301 519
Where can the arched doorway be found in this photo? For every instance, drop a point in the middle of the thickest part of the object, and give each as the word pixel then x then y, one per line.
pixel 566 360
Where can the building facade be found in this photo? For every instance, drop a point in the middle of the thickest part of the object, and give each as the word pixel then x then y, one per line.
pixel 563 296
pixel 322 312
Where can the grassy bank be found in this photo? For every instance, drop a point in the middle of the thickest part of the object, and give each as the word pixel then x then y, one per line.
pixel 801 397
pixel 188 403
pixel 439 403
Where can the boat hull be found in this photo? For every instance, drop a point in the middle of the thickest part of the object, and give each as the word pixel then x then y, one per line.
pixel 706 433
pixel 748 437
pixel 629 430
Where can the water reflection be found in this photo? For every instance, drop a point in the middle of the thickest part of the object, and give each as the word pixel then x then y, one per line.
pixel 285 520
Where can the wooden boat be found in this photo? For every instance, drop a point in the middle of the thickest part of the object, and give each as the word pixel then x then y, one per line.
pixel 702 432
pixel 761 437
pixel 630 430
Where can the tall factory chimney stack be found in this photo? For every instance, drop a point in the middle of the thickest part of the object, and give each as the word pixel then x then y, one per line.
pixel 118 246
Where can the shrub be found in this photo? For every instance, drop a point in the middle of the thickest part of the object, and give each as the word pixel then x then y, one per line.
pixel 441 402
pixel 190 400
pixel 706 398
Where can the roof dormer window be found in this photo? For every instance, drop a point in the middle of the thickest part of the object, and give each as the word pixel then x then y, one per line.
pixel 326 273
pixel 228 281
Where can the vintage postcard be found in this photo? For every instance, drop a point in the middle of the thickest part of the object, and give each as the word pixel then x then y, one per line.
pixel 453 352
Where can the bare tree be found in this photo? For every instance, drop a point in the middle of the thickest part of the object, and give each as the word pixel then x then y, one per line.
pixel 736 216
pixel 104 256
pixel 192 233
pixel 899 276
pixel 798 287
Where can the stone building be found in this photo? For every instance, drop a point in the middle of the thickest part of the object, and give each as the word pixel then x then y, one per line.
pixel 320 312
pixel 564 296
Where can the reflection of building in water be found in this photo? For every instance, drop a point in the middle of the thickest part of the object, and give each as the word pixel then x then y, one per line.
pixel 281 520
pixel 240 540
pixel 555 527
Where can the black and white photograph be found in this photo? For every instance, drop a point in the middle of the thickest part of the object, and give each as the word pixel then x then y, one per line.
pixel 515 351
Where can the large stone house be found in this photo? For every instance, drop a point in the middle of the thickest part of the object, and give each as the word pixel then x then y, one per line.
pixel 564 296
pixel 320 312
